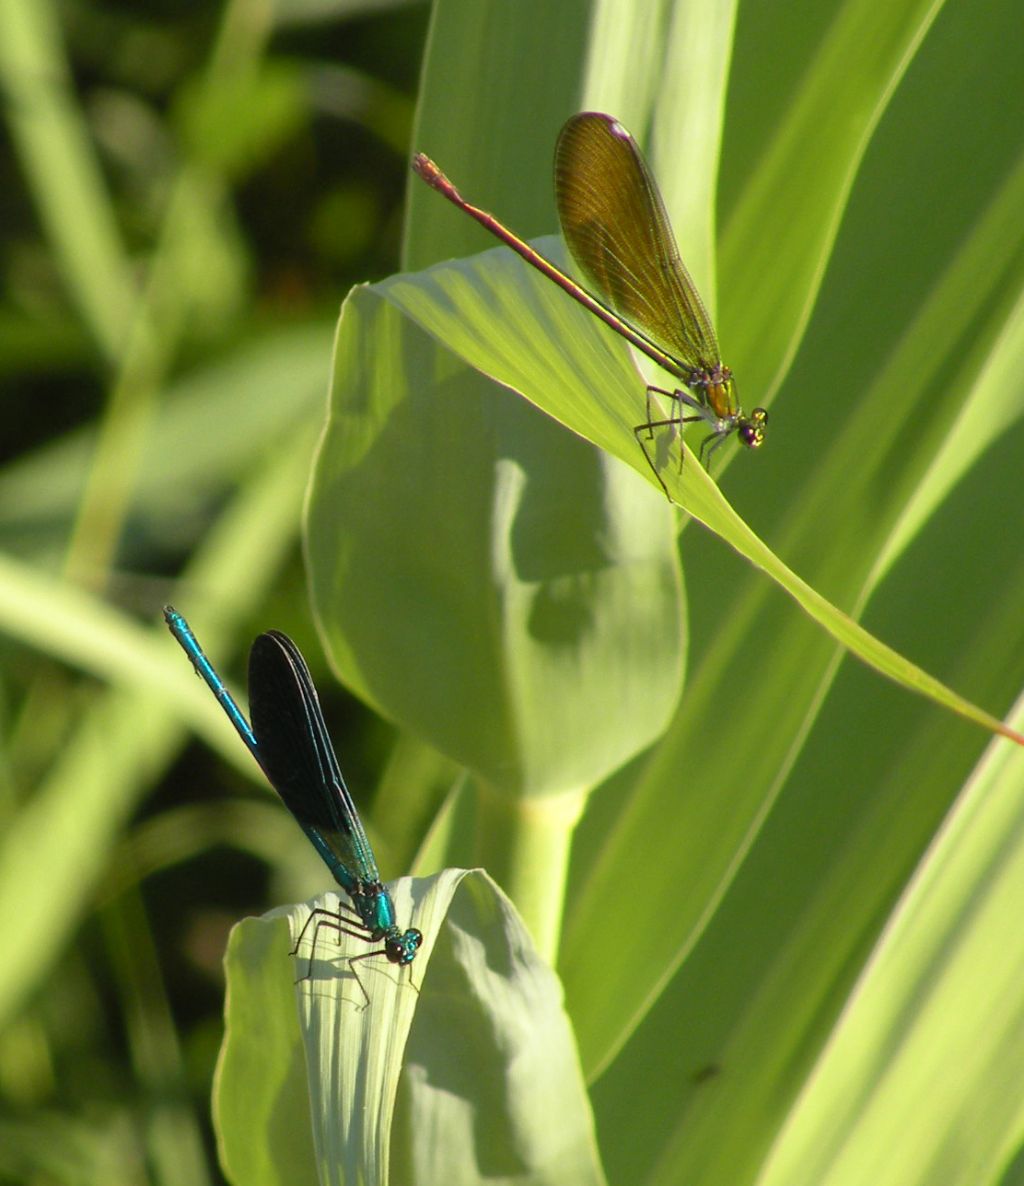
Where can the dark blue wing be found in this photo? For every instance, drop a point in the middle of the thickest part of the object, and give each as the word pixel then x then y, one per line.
pixel 295 752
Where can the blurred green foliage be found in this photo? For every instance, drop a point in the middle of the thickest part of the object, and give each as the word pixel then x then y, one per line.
pixel 189 191
pixel 790 916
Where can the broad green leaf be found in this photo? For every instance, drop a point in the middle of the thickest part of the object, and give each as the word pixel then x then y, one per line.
pixel 702 798
pixel 915 1083
pixel 832 789
pixel 492 1087
pixel 503 318
pixel 261 1098
pixel 501 56
pixel 829 815
pixel 782 225
pixel 460 1068
pixel 500 578
pixel 768 668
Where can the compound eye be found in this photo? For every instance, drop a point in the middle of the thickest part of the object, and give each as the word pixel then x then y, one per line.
pixel 751 432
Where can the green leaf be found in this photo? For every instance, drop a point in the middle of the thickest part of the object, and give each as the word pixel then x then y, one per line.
pixel 531 598
pixel 915 1069
pixel 461 1068
pixel 519 328
pixel 781 230
pixel 260 1089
